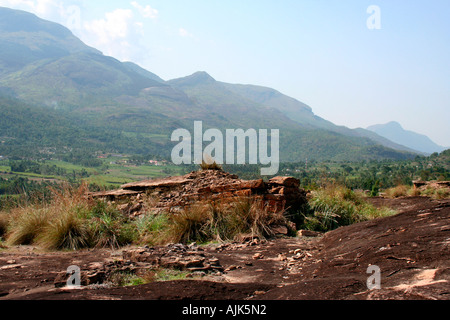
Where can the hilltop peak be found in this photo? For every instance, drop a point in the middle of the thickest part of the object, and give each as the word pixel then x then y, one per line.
pixel 396 133
pixel 394 124
pixel 200 77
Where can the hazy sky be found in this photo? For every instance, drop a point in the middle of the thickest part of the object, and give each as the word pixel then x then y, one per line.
pixel 320 52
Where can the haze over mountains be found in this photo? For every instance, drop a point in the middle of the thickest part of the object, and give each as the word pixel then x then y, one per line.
pixel 48 73
pixel 395 132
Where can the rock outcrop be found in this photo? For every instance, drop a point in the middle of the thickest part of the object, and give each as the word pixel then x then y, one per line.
pixel 279 194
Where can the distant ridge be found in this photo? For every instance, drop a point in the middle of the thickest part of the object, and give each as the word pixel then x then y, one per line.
pixel 396 133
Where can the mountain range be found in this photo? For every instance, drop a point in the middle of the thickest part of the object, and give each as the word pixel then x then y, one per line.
pixel 48 73
pixel 395 132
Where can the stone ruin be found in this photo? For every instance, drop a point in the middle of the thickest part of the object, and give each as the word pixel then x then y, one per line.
pixel 278 195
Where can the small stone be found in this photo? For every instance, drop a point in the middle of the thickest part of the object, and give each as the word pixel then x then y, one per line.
pixel 282 257
pixel 308 233
pixel 280 230
pixel 258 256
pixel 231 268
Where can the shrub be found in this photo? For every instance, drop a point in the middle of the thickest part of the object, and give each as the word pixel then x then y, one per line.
pixel 152 229
pixel 397 192
pixel 336 206
pixel 414 192
pixel 108 227
pixel 443 193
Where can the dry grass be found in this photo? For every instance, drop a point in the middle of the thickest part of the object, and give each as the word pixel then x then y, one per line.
pixel 335 206
pixel 152 229
pixel 69 221
pixel 27 224
pixel 210 166
pixel 4 222
pixel 398 191
pixel 66 231
pixel 47 223
pixel 222 221
pixel 443 193
pixel 190 225
pixel 413 192
pixel 410 191
pixel 436 193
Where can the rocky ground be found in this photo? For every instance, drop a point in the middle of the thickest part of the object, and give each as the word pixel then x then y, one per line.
pixel 410 249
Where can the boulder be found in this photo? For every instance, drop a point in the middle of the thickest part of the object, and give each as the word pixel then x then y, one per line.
pixel 285 181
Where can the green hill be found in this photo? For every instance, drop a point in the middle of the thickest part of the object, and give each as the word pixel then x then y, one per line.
pixel 84 99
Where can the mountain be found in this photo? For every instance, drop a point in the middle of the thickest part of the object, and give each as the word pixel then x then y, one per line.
pixel 303 114
pixel 303 134
pixel 44 67
pixel 24 39
pixel 143 72
pixel 395 132
pixel 216 99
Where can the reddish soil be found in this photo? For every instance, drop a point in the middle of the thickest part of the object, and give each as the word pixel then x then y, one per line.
pixel 411 250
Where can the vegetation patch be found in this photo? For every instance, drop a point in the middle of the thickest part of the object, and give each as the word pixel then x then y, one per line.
pixel 127 279
pixel 69 221
pixel 410 191
pixel 335 206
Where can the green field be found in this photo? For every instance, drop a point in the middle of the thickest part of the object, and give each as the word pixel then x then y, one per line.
pixel 114 172
pixel 118 174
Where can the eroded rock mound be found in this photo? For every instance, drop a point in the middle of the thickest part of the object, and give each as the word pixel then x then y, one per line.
pixel 278 194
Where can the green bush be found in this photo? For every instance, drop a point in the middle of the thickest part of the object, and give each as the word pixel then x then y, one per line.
pixel 336 206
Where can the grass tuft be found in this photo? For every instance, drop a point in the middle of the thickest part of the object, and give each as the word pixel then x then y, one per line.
pixel 70 221
pixel 26 225
pixel 4 222
pixel 336 206
pixel 210 166
pixel 66 231
pixel 397 192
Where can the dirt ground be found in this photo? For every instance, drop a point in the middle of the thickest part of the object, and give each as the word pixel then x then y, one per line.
pixel 411 251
